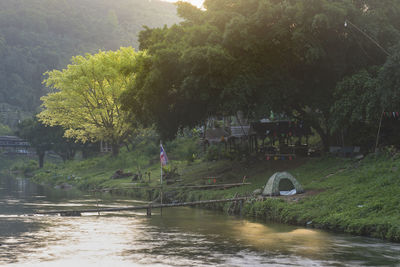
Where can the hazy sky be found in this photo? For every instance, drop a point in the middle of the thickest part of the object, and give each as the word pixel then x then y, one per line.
pixel 193 2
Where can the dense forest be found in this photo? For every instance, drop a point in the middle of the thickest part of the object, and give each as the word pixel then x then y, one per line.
pixel 41 35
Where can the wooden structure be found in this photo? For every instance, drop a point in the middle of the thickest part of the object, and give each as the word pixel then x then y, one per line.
pixel 284 138
pixel 105 147
pixel 148 207
pixel 14 144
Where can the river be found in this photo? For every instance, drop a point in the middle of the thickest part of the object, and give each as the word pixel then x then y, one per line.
pixel 180 237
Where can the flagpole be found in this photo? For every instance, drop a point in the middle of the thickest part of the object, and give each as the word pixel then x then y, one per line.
pixel 160 166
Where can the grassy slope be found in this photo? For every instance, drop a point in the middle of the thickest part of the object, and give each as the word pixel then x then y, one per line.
pixel 358 197
pixel 362 198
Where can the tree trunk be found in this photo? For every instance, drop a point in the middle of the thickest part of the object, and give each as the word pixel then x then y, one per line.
pixel 320 122
pixel 115 149
pixel 41 155
pixel 325 138
pixel 127 147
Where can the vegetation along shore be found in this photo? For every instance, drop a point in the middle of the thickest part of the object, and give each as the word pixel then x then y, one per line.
pixel 356 196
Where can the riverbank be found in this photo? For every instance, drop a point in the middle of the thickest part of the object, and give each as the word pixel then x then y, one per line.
pixel 342 195
pixel 359 197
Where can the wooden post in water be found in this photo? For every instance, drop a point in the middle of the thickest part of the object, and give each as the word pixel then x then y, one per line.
pixel 149 211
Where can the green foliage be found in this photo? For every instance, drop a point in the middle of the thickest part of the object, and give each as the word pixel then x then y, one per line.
pixel 25 167
pixel 257 56
pixel 389 81
pixel 5 130
pixel 38 135
pixel 86 99
pixel 187 148
pixel 170 173
pixel 357 108
pixel 217 152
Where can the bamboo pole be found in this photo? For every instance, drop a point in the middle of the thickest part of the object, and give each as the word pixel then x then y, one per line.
pixel 142 207
pixel 379 132
pixel 174 187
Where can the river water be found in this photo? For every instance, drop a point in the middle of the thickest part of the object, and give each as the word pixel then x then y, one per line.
pixel 180 237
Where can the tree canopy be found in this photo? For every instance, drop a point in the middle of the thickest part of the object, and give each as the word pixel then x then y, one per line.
pixel 86 99
pixel 257 56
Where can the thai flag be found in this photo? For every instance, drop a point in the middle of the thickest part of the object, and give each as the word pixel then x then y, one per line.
pixel 163 156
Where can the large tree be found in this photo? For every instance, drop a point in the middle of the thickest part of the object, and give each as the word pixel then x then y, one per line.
pixel 259 55
pixel 86 97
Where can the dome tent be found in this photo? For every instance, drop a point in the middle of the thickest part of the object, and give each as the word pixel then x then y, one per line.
pixel 272 188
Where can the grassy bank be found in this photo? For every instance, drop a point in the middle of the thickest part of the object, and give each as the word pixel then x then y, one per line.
pixel 343 195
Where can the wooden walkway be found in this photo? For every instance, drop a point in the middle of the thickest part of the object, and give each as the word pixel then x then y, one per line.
pixel 141 207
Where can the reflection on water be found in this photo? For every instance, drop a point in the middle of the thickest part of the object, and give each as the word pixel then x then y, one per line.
pixel 181 237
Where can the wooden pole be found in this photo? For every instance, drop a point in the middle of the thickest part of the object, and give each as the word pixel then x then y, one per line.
pixel 97 203
pixel 379 132
pixel 160 165
pixel 149 211
pixel 241 207
pixel 161 196
pixel 211 186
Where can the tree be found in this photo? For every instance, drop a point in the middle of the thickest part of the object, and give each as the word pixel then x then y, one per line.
pixel 86 99
pixel 357 109
pixel 259 55
pixel 38 135
pixel 5 130
pixel 389 81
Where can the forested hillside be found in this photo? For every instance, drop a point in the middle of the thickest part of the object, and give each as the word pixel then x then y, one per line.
pixel 41 35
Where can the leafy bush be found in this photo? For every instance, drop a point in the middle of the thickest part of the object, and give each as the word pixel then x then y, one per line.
pixel 27 167
pixel 217 152
pixel 184 148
